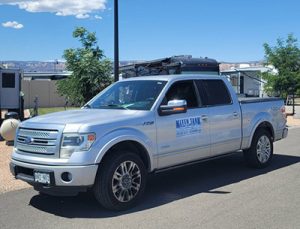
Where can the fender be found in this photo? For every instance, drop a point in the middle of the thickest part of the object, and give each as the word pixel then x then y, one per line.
pixel 255 122
pixel 126 134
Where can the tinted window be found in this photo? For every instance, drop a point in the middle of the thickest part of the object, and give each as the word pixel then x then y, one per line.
pixel 182 90
pixel 8 80
pixel 214 92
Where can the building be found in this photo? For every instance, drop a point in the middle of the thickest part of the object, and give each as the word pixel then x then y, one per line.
pixel 247 81
pixel 19 90
pixel 46 75
pixel 42 85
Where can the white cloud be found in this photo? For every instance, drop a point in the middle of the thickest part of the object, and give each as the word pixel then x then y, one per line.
pixel 98 17
pixel 82 16
pixel 78 8
pixel 12 24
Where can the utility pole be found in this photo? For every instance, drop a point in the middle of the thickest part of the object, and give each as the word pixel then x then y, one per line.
pixel 116 40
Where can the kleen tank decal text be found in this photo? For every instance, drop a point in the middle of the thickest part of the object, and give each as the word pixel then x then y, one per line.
pixel 188 126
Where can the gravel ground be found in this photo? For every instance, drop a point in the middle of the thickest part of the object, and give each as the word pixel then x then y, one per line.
pixel 7 181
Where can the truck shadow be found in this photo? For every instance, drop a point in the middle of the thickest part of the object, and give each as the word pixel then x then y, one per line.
pixel 166 187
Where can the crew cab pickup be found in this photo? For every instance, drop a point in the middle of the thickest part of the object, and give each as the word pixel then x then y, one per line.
pixel 139 126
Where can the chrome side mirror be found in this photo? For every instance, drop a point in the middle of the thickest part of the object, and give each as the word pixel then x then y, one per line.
pixel 173 107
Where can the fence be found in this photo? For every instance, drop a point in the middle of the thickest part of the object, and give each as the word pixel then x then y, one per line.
pixel 45 90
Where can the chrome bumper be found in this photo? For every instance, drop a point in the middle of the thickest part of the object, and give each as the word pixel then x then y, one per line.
pixel 81 175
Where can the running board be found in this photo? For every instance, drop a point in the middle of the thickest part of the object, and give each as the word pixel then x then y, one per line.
pixel 194 162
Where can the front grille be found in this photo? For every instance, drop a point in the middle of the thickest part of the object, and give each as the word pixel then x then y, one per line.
pixel 37 141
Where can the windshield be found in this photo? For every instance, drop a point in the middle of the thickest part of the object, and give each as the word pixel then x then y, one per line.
pixel 130 95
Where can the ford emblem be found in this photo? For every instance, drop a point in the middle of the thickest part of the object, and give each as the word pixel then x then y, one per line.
pixel 28 140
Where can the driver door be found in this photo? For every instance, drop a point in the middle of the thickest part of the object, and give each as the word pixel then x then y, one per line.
pixel 183 137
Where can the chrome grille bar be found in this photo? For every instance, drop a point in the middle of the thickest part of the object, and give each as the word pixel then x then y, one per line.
pixel 38 133
pixel 37 141
pixel 36 149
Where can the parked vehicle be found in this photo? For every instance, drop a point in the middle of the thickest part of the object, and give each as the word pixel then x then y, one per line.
pixel 11 99
pixel 140 126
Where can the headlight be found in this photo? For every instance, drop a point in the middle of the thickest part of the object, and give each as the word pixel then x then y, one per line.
pixel 75 143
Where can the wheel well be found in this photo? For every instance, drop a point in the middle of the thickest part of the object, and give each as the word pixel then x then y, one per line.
pixel 267 126
pixel 133 147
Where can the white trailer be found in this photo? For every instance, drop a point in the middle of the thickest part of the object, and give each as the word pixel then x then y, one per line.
pixel 10 88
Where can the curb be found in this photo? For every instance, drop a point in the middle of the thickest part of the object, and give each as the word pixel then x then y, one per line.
pixel 293 127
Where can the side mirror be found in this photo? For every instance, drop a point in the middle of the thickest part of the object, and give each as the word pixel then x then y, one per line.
pixel 173 107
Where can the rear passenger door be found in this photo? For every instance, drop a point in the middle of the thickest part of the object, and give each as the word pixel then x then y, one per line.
pixel 183 137
pixel 225 117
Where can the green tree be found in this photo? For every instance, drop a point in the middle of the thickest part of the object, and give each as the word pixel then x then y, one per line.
pixel 285 57
pixel 91 71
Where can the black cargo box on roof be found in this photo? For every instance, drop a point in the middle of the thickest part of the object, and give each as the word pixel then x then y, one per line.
pixel 171 65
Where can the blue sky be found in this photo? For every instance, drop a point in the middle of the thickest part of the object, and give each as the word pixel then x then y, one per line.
pixel 227 30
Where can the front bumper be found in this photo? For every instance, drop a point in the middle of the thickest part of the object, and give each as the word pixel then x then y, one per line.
pixel 82 176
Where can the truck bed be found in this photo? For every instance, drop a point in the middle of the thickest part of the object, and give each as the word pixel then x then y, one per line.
pixel 254 110
pixel 257 100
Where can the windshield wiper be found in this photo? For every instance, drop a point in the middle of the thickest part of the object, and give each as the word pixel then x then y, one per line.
pixel 87 106
pixel 116 105
pixel 112 105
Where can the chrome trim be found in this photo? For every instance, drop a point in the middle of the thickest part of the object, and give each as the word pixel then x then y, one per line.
pixel 37 141
pixel 38 133
pixel 35 149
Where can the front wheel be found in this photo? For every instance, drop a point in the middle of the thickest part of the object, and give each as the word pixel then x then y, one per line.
pixel 260 153
pixel 120 181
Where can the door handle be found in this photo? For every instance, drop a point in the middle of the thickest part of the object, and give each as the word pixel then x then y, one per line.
pixel 204 117
pixel 235 114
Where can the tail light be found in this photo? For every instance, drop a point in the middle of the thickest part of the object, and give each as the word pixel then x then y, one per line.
pixel 282 109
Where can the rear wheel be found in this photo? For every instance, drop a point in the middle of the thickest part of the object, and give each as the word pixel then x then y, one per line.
pixel 120 181
pixel 260 153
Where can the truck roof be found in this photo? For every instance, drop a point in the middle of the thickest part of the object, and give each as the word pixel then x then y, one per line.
pixel 174 77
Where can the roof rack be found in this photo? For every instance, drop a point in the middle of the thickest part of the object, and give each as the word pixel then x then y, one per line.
pixel 170 65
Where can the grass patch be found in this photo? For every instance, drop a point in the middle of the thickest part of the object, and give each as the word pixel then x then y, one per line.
pixel 48 110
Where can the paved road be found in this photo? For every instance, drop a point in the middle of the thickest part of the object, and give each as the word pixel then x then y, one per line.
pixel 217 194
pixel 289 110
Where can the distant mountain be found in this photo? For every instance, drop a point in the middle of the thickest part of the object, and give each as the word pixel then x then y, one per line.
pixel 42 66
pixel 35 66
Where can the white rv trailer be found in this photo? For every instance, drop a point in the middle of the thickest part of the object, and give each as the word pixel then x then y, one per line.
pixel 10 87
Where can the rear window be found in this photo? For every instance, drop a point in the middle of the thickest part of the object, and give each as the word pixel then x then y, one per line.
pixel 214 92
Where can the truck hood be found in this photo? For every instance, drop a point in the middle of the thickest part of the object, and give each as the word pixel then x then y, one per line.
pixel 86 116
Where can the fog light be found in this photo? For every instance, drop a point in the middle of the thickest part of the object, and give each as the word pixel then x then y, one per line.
pixel 66 177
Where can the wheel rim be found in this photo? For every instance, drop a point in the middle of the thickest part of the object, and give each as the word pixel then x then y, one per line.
pixel 126 181
pixel 263 149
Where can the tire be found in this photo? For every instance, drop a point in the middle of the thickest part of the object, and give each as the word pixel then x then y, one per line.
pixel 260 154
pixel 120 181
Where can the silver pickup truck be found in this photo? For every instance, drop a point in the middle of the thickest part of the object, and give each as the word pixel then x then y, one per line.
pixel 139 126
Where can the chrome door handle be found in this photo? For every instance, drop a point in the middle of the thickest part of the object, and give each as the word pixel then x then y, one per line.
pixel 235 114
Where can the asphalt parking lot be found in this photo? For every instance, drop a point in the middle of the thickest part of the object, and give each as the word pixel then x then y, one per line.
pixel 218 194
